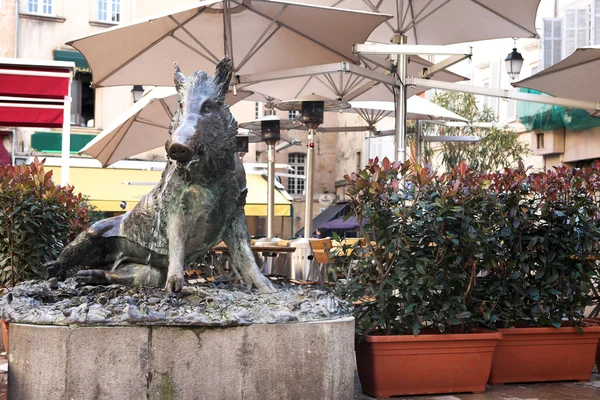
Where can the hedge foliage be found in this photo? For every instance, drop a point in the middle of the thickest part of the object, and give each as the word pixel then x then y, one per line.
pixel 466 249
pixel 37 219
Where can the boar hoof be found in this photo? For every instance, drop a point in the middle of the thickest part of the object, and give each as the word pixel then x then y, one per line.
pixel 174 283
pixel 92 276
pixel 264 285
pixel 52 268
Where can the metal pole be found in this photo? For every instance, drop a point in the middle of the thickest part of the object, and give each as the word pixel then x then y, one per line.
pixel 66 138
pixel 308 207
pixel 418 141
pixel 401 70
pixel 271 189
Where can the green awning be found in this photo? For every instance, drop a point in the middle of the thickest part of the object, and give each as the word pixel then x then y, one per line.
pixel 81 64
pixel 51 142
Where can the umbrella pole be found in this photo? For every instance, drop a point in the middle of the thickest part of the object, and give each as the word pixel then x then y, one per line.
pixel 308 207
pixel 401 69
pixel 271 189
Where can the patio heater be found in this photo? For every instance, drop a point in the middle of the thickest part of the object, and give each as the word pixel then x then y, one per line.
pixel 311 115
pixel 270 132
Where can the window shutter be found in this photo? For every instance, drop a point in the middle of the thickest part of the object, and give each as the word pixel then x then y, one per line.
pixel 577 29
pixel 551 41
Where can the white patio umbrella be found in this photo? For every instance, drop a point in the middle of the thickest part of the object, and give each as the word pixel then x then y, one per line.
pixel 142 127
pixel 417 108
pixel 258 35
pixel 438 22
pixel 575 77
pixel 337 81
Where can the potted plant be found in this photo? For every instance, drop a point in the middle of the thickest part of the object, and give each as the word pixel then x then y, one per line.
pixel 37 219
pixel 540 282
pixel 413 280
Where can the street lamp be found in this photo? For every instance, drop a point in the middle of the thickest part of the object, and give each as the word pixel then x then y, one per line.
pixel 311 115
pixel 270 132
pixel 514 63
pixel 137 92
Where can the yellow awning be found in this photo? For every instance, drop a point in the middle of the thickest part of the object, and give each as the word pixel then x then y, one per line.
pixel 256 201
pixel 106 188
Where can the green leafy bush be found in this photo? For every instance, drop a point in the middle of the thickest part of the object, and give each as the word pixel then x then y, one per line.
pixel 467 248
pixel 37 218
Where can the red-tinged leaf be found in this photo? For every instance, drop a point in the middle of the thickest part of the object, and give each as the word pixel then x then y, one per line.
pixel 376 176
pixel 386 163
pixel 396 184
pixel 462 168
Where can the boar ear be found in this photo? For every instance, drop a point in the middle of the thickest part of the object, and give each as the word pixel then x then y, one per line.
pixel 222 77
pixel 178 77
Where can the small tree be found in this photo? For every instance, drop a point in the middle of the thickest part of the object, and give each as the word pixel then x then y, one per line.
pixel 37 219
pixel 497 149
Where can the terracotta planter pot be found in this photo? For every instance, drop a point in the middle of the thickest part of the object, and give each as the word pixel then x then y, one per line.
pixel 595 321
pixel 544 355
pixel 404 365
pixel 4 325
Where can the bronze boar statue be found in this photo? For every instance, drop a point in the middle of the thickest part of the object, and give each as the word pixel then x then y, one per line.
pixel 199 202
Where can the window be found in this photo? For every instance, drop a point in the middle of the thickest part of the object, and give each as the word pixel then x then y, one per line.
pixel 83 100
pixel 540 141
pixel 534 70
pixel 577 29
pixel 256 110
pixel 109 10
pixel 551 41
pixel 292 114
pixel 296 161
pixel 486 99
pixel 39 6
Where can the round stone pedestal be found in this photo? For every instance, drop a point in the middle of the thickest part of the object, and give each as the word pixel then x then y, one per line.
pixel 257 362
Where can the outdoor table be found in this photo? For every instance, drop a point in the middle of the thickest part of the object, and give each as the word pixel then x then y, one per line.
pixel 270 258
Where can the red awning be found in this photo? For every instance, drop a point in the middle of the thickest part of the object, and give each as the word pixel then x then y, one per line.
pixel 23 82
pixel 31 115
pixel 31 92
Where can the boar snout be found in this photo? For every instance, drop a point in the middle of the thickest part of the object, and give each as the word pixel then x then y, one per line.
pixel 180 152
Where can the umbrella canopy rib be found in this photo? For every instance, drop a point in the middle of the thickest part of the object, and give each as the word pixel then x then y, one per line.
pixel 215 59
pixel 496 13
pixel 166 109
pixel 140 53
pixel 150 123
pixel 297 33
pixel 252 50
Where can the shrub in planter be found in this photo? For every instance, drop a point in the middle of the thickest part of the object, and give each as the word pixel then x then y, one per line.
pixel 548 227
pixel 425 241
pixel 37 218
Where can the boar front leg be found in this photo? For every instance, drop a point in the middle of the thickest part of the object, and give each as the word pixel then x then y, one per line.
pixel 175 277
pixel 242 259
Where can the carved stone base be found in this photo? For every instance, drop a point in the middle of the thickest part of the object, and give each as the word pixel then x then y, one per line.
pixel 257 362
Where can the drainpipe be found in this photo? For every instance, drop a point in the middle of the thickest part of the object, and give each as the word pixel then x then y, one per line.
pixel 16 28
